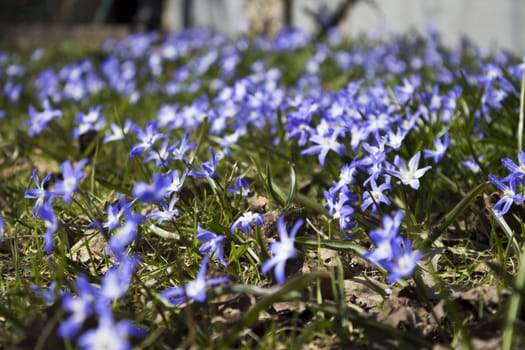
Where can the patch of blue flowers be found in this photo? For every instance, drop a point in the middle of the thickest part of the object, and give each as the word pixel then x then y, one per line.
pixel 363 137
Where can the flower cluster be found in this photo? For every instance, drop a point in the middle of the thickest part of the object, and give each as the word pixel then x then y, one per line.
pixel 92 300
pixel 393 252
pixel 44 198
pixel 508 185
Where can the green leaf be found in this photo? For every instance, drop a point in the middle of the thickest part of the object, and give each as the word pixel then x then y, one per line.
pixel 291 189
pixel 339 245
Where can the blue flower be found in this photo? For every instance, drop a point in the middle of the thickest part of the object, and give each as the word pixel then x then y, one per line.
pixel 154 192
pixel 92 121
pixel 324 143
pixel 440 149
pixel 180 148
pixel 39 120
pixel 339 207
pixel 126 233
pixel 195 289
pixel 374 159
pixel 167 115
pixel 162 156
pixel 405 92
pixel 404 260
pixel 109 335
pixel 346 219
pixel 176 181
pixel 80 307
pixel 114 213
pixel 382 238
pixel 375 195
pixel 208 168
pixel 168 212
pixel 518 171
pixel 147 138
pixel 392 252
pixel 246 220
pixel 117 132
pixel 395 140
pixel 47 214
pixel 71 178
pixel 391 227
pixel 473 165
pixel 13 90
pixel 509 195
pixel 347 175
pixel 117 279
pixel 408 176
pixel 241 187
pixel 212 244
pixel 1 228
pixel 282 250
pixel 48 295
pixel 39 193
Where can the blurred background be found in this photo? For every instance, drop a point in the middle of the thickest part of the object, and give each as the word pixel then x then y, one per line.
pixel 489 23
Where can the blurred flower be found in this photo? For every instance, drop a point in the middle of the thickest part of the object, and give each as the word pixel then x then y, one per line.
pixel 48 295
pixel 79 307
pixel 473 165
pixel 92 121
pixel 195 289
pixel 211 244
pixel 1 228
pixel 246 220
pixel 71 177
pixel 154 192
pixel 109 335
pixel 404 260
pixel 39 193
pixel 13 90
pixel 47 214
pixel 147 138
pixel 282 250
pixel 440 149
pixel 126 233
pixel 161 155
pixel 176 181
pixel 395 140
pixel 117 279
pixel 168 212
pixel 207 168
pixel 180 148
pixel 117 132
pixel 39 120
pixel 240 188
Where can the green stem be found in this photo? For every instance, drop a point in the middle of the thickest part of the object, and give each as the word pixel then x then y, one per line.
pixel 514 305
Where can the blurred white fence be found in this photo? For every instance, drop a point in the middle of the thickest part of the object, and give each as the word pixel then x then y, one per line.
pixel 489 23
